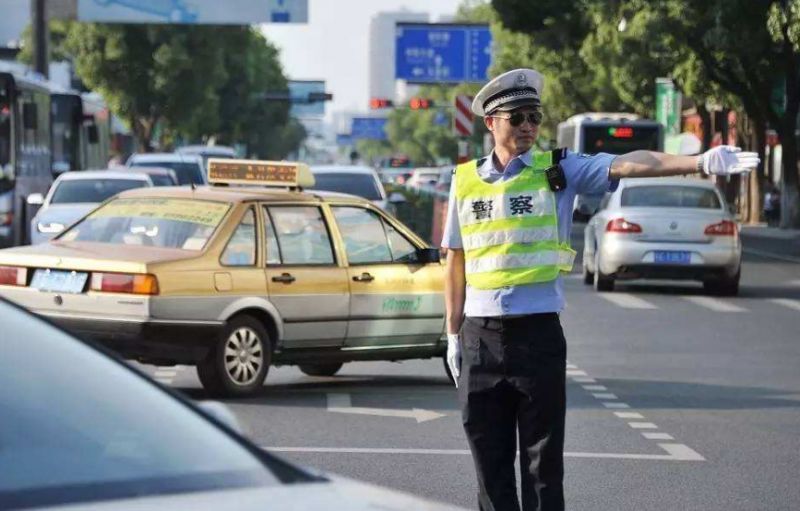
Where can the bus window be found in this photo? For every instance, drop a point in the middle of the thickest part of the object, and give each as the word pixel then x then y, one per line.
pixel 620 139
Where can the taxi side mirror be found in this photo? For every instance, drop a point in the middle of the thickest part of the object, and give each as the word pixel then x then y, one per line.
pixel 428 255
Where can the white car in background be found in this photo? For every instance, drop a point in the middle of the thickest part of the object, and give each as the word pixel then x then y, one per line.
pixel 207 151
pixel 74 194
pixel 664 228
pixel 355 180
pixel 424 176
pixel 188 167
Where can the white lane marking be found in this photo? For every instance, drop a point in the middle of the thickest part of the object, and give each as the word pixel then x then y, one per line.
pixel 794 282
pixel 715 304
pixel 341 403
pixel 595 388
pixel 629 415
pixel 676 452
pixel 604 395
pixel 681 452
pixel 628 301
pixel 786 302
pixel 616 405
pixel 165 374
pixel 650 435
pixel 584 379
pixel 642 425
pixel 575 372
pixel 571 366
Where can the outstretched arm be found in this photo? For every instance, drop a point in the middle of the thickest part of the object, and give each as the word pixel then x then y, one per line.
pixel 721 160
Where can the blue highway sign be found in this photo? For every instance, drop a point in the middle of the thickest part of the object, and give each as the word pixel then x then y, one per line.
pixel 442 53
pixel 368 128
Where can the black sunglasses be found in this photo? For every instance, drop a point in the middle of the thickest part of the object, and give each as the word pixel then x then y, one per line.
pixel 517 118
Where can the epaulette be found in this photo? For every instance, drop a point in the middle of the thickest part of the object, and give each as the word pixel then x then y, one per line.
pixel 477 164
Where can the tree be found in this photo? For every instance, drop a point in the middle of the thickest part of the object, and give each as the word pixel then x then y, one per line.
pixel 151 74
pixel 738 46
pixel 184 82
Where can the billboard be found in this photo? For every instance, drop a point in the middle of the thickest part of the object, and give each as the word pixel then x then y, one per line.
pixel 368 128
pixel 442 52
pixel 212 12
pixel 299 91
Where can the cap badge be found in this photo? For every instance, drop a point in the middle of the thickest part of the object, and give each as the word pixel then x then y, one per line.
pixel 522 79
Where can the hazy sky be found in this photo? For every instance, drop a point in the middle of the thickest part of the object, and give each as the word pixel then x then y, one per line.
pixel 334 45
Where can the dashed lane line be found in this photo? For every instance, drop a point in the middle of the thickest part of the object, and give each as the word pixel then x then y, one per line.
pixel 642 425
pixel 656 435
pixel 628 301
pixel 715 304
pixel 638 422
pixel 604 395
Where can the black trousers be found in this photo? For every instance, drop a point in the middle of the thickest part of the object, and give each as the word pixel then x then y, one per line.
pixel 512 385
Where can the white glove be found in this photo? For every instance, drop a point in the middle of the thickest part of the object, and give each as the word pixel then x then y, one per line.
pixel 726 160
pixel 454 356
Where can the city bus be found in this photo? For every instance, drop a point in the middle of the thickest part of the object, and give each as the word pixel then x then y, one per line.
pixel 25 154
pixel 615 133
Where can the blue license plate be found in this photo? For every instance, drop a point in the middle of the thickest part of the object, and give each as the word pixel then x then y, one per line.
pixel 673 257
pixel 59 281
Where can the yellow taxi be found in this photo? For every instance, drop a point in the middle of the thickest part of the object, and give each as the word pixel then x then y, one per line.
pixel 247 272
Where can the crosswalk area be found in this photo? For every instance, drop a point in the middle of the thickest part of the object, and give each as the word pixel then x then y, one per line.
pixel 654 298
pixel 627 300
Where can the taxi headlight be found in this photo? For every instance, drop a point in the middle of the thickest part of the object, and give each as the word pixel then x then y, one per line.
pixel 50 228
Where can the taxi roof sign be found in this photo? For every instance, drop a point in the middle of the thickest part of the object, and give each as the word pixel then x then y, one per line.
pixel 285 174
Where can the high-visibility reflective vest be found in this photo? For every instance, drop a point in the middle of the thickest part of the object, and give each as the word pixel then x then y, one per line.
pixel 509 228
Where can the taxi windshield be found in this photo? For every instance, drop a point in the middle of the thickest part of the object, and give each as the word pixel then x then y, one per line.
pixel 155 222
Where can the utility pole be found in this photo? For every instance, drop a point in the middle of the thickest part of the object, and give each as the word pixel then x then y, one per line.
pixel 41 36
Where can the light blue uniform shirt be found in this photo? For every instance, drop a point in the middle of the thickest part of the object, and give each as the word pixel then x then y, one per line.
pixel 585 175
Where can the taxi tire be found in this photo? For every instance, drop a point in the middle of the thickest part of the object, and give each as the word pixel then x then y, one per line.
pixel 321 369
pixel 447 370
pixel 211 371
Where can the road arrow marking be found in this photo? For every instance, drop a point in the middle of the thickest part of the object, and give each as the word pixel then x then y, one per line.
pixel 341 403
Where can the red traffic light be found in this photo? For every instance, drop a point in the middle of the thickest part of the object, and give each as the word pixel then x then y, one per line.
pixel 376 103
pixel 420 103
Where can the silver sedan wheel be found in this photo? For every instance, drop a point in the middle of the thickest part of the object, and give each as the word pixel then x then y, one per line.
pixel 244 356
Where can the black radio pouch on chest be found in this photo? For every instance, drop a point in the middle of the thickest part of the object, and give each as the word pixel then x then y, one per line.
pixel 555 174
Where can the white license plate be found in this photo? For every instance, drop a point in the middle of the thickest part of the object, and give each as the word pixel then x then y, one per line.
pixel 59 281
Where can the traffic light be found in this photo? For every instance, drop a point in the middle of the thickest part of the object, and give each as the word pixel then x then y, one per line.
pixel 377 103
pixel 420 103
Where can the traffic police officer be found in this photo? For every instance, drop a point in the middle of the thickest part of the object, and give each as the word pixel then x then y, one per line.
pixel 507 235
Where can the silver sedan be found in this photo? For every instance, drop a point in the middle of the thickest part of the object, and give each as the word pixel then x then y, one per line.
pixel 665 228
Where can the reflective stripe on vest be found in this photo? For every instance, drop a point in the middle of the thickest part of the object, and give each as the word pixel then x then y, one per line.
pixel 509 229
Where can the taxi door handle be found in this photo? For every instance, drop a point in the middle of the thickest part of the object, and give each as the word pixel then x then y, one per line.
pixel 286 278
pixel 364 277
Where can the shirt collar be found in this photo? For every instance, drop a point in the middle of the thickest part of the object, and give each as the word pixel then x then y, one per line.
pixel 526 158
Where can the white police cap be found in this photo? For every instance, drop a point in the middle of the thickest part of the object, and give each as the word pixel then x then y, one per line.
pixel 513 89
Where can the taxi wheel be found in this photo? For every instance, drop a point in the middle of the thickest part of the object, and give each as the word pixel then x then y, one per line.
pixel 725 287
pixel 447 370
pixel 239 363
pixel 321 369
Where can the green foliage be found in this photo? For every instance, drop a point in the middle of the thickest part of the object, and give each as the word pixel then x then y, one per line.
pixel 183 82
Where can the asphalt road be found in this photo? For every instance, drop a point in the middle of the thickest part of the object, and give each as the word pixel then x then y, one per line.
pixel 676 400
